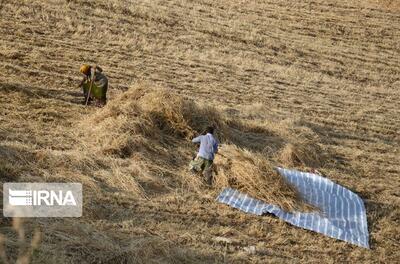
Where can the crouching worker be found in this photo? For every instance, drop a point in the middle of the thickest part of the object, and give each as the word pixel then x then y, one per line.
pixel 205 157
pixel 94 84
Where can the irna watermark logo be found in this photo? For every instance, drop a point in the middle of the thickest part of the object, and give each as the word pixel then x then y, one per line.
pixel 42 199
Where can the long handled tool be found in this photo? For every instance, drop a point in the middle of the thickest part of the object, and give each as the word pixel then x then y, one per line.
pixel 91 85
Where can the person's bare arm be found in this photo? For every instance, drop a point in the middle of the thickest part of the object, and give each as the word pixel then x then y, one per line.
pixel 97 67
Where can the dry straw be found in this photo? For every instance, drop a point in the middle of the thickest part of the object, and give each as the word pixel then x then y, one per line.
pixel 25 248
pixel 153 128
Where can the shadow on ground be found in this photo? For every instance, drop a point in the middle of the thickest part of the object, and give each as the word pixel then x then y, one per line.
pixel 73 97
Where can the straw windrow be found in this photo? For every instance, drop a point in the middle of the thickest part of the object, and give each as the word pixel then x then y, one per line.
pixel 156 127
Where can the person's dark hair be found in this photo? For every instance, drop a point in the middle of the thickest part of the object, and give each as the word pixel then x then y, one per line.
pixel 209 129
pixel 89 71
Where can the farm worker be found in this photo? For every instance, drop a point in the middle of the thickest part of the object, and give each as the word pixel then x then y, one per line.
pixel 94 84
pixel 205 157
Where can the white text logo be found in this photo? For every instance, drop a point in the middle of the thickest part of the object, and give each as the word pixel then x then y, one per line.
pixel 42 199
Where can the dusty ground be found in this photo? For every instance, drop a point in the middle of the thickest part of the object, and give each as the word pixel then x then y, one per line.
pixel 331 66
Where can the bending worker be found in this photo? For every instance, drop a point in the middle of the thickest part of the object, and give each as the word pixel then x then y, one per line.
pixel 94 84
pixel 205 157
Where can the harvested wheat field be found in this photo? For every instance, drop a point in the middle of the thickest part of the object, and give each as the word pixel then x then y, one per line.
pixel 308 85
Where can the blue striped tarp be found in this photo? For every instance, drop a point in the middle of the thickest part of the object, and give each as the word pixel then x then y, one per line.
pixel 342 213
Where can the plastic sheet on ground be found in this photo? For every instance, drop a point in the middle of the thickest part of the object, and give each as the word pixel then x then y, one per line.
pixel 342 213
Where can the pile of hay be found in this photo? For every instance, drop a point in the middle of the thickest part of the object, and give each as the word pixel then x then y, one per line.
pixel 153 128
pixel 254 174
pixel 301 148
pixel 303 154
pixel 142 114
